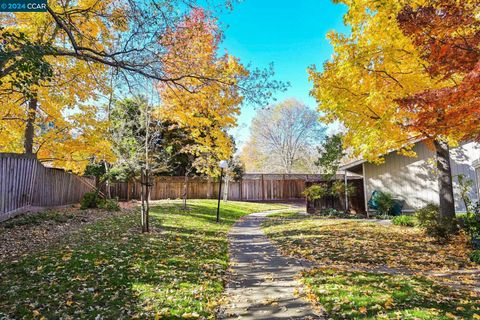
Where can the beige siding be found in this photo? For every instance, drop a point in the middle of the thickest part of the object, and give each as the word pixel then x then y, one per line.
pixel 414 179
pixel 462 159
pixel 477 169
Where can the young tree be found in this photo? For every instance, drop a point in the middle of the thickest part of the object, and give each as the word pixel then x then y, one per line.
pixel 283 137
pixel 331 154
pixel 372 76
pixel 138 145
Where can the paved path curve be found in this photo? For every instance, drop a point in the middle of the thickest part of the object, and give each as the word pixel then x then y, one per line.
pixel 262 284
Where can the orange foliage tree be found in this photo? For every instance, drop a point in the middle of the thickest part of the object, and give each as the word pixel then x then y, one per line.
pixel 447 33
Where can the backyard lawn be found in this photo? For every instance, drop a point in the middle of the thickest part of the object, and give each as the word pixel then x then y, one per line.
pixel 348 282
pixel 108 270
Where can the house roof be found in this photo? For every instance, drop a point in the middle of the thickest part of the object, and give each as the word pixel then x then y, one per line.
pixel 357 162
pixel 352 164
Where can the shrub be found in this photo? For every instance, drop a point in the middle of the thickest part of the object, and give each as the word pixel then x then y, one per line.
pixel 109 205
pixel 315 192
pixel 429 218
pixel 334 213
pixel 471 221
pixel 90 200
pixel 427 214
pixel 475 256
pixel 338 188
pixel 385 202
pixel 405 221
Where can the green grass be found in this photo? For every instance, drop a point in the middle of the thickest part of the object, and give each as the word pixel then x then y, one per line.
pixel 405 221
pixel 110 270
pixel 363 295
pixel 287 215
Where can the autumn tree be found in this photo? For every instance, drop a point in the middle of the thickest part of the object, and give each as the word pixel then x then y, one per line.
pixel 369 83
pixel 283 139
pixel 448 35
pixel 61 62
pixel 206 108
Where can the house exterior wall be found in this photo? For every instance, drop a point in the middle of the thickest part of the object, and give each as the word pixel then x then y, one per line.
pixel 414 180
pixel 476 165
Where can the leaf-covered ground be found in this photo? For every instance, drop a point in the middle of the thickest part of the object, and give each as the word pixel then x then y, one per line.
pixel 354 253
pixel 30 232
pixel 367 244
pixel 108 270
pixel 364 295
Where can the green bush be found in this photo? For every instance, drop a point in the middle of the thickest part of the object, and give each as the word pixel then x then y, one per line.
pixel 405 221
pixel 427 215
pixel 338 188
pixel 471 221
pixel 475 256
pixel 109 205
pixel 315 192
pixel 429 218
pixel 333 213
pixel 385 202
pixel 90 200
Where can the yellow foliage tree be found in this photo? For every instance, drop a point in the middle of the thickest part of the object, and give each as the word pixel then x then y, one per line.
pixel 54 116
pixel 373 69
pixel 205 106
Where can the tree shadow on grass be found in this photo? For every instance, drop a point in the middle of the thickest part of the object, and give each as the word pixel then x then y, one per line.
pixel 109 271
pixel 358 242
pixel 353 295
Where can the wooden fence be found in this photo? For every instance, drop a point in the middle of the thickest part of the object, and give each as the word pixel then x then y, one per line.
pixel 25 183
pixel 252 187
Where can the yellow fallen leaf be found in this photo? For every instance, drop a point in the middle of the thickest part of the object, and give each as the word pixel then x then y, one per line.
pixel 363 310
pixel 476 316
pixel 69 303
pixel 67 256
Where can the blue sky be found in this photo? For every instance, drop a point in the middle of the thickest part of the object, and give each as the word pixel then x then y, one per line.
pixel 291 34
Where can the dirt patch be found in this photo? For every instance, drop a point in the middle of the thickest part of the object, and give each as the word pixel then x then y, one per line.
pixel 28 232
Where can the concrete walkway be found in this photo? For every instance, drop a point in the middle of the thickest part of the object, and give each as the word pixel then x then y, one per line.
pixel 262 284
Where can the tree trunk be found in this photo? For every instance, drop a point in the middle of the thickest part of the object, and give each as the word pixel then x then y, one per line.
pixel 30 125
pixel 147 200
pixel 107 182
pixel 185 190
pixel 142 198
pixel 445 181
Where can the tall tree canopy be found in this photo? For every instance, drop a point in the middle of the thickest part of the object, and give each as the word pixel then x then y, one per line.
pixel 390 84
pixel 284 139
pixel 57 66
pixel 205 108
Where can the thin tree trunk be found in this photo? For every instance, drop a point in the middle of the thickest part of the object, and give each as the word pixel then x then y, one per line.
pixel 185 190
pixel 107 183
pixel 147 169
pixel 147 198
pixel 445 183
pixel 142 197
pixel 225 191
pixel 30 126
